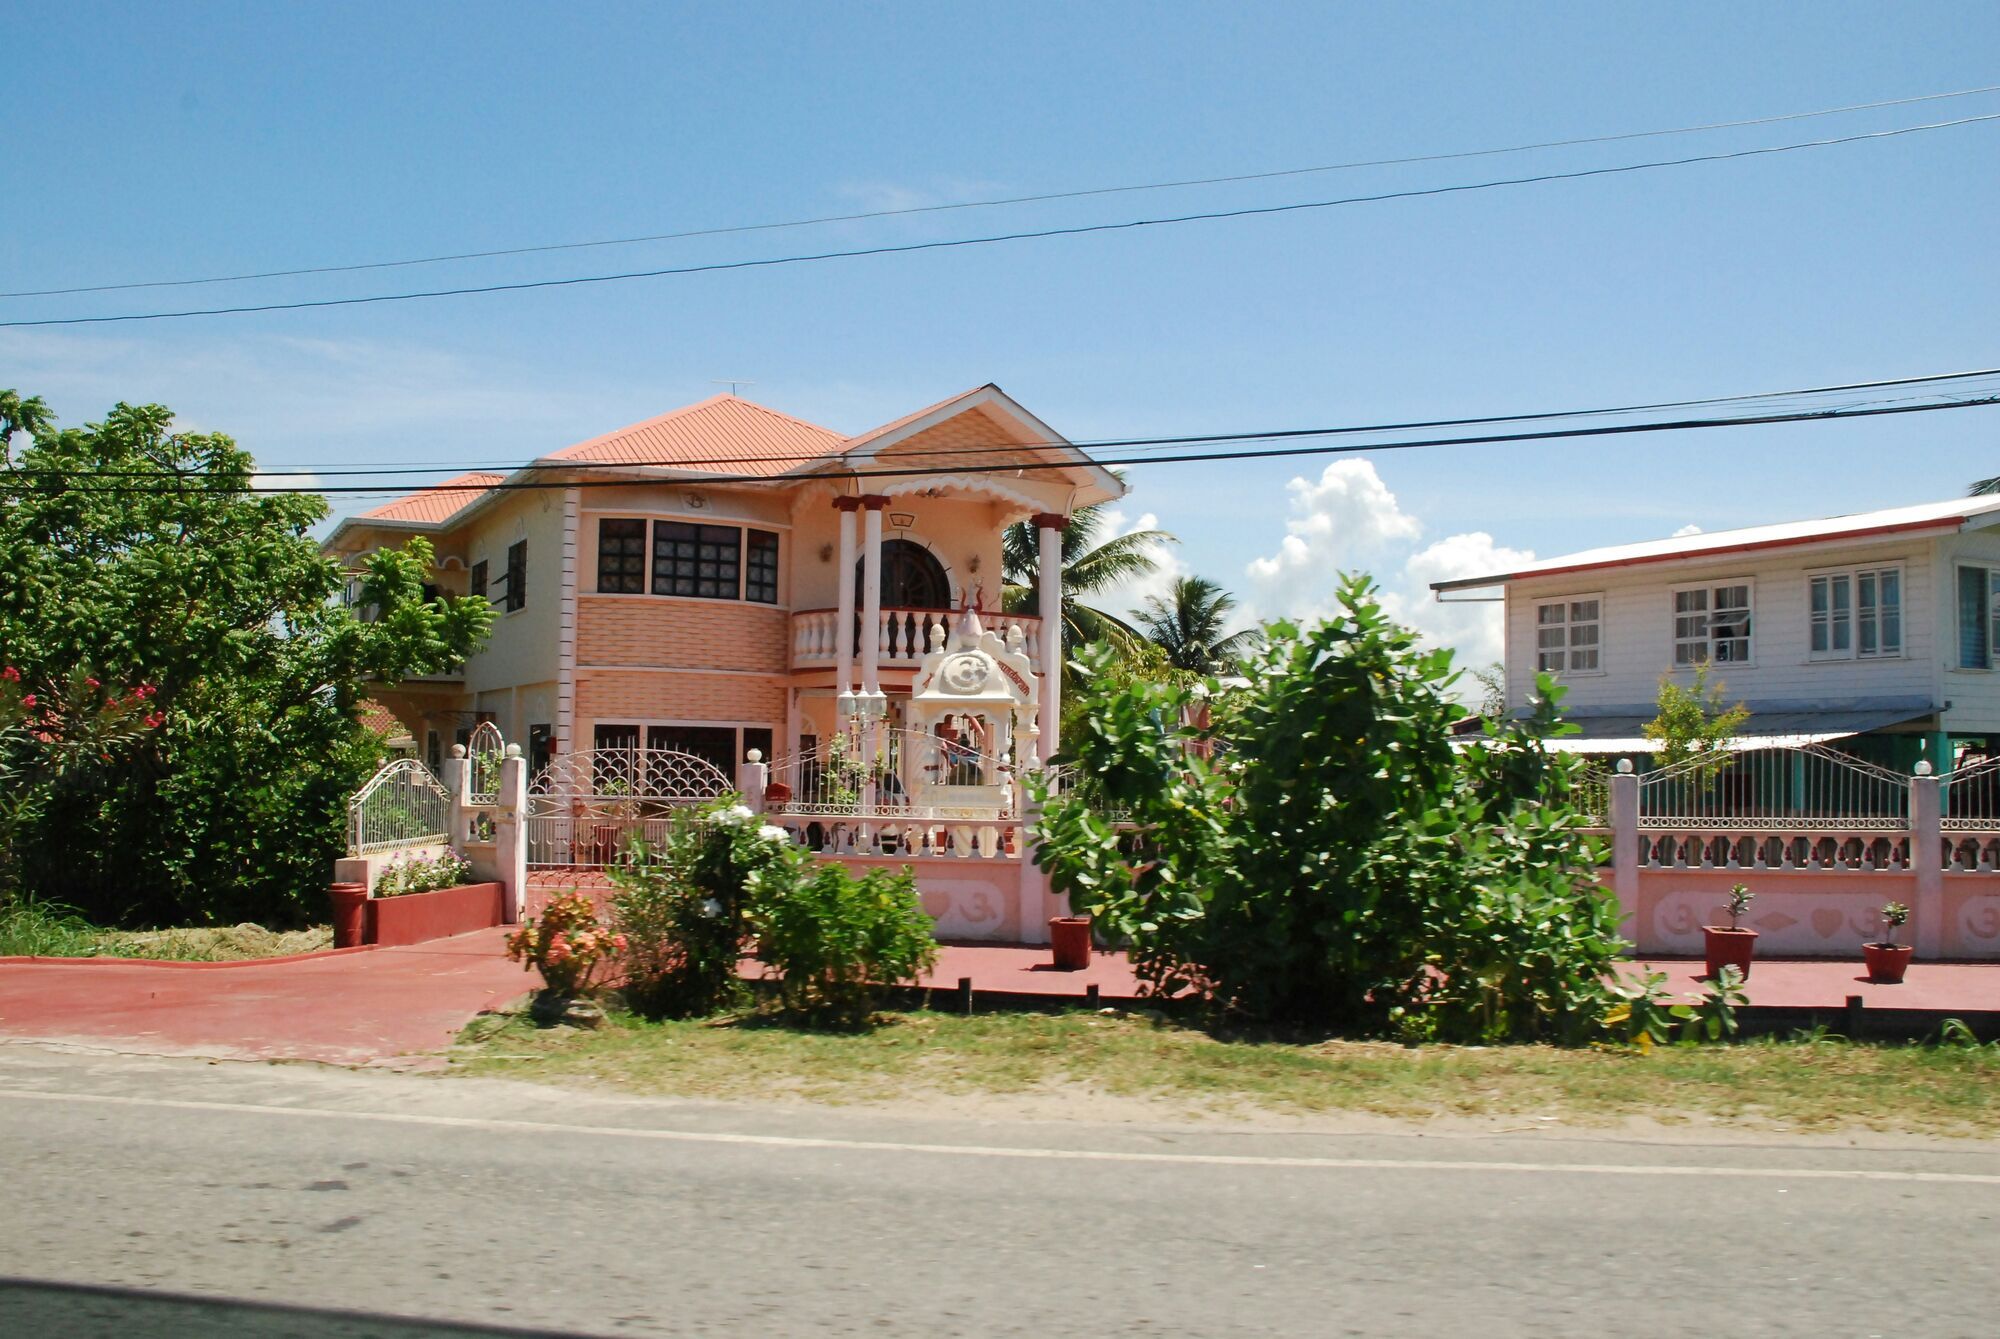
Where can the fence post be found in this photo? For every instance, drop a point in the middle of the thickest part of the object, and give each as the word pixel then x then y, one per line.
pixel 1035 896
pixel 458 785
pixel 510 831
pixel 1624 820
pixel 753 774
pixel 1927 861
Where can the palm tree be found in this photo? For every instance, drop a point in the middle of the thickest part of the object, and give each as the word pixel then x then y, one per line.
pixel 1187 624
pixel 1088 568
pixel 1984 487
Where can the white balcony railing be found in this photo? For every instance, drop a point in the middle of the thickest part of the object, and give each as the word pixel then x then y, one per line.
pixel 902 636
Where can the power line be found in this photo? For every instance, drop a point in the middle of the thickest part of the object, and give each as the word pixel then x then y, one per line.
pixel 181 483
pixel 1110 443
pixel 1040 198
pixel 1075 230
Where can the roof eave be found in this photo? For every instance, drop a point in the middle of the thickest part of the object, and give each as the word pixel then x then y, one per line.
pixel 1940 524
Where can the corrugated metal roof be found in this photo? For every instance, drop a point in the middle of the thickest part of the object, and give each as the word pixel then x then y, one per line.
pixel 1949 514
pixel 438 502
pixel 726 428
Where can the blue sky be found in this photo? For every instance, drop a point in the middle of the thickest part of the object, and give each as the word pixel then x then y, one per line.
pixel 156 141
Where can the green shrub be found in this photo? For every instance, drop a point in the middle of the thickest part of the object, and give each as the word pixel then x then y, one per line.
pixel 835 941
pixel 1342 861
pixel 681 908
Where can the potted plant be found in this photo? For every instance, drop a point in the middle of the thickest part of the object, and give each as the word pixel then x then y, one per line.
pixel 1069 937
pixel 1730 945
pixel 1888 960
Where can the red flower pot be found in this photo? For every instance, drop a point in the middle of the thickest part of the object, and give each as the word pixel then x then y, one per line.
pixel 1069 936
pixel 1887 962
pixel 350 913
pixel 1723 947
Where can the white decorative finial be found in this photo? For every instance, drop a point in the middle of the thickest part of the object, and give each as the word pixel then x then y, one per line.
pixel 1624 767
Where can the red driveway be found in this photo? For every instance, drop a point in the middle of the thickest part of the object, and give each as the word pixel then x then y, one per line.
pixel 343 1008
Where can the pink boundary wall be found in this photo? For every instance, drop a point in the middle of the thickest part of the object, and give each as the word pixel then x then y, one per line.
pixel 414 918
pixel 1810 913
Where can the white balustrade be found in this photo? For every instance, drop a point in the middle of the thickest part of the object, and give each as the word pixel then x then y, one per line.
pixel 902 636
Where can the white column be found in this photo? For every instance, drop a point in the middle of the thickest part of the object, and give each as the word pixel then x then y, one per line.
pixel 510 832
pixel 843 622
pixel 1624 821
pixel 457 780
pixel 871 596
pixel 1051 527
pixel 1927 863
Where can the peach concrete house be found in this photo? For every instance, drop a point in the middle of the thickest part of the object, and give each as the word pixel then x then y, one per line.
pixel 726 580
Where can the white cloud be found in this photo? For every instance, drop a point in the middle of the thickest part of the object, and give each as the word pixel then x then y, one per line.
pixel 1686 530
pixel 1350 521
pixel 1128 596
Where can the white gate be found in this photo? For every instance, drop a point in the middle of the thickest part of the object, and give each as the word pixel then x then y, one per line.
pixel 401 806
pixel 584 808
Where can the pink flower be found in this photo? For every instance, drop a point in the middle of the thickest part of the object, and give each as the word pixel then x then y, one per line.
pixel 10 674
pixel 92 683
pixel 46 737
pixel 28 700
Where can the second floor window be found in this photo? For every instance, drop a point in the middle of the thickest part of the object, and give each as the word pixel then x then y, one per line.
pixel 517 576
pixel 1978 588
pixel 1712 625
pixel 704 561
pixel 1568 636
pixel 760 567
pixel 621 556
pixel 478 581
pixel 1857 614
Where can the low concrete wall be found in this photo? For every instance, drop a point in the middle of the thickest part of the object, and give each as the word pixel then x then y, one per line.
pixel 1809 913
pixel 365 869
pixel 970 899
pixel 415 917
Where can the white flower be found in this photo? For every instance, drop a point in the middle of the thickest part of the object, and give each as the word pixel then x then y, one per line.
pixel 771 832
pixel 735 816
pixel 711 908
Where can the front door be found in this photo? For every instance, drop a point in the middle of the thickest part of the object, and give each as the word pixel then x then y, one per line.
pixel 912 578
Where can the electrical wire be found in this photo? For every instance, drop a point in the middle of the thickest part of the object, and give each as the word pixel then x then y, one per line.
pixel 1772 398
pixel 193 483
pixel 1040 198
pixel 945 244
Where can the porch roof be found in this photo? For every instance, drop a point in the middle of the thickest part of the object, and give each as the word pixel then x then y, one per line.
pixel 1778 727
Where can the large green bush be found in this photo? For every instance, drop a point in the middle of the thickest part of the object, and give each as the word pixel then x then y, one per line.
pixel 1340 862
pixel 150 556
pixel 832 942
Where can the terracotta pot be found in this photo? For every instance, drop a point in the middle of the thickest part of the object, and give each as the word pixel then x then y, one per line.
pixel 1887 962
pixel 1723 947
pixel 350 913
pixel 1069 936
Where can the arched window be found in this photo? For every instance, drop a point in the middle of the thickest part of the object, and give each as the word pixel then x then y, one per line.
pixel 911 578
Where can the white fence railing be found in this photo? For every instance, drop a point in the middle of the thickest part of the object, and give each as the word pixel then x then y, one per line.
pixel 857 794
pixel 402 805
pixel 585 808
pixel 1811 788
pixel 483 755
pixel 902 636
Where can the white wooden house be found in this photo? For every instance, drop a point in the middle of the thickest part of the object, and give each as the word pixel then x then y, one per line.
pixel 1880 629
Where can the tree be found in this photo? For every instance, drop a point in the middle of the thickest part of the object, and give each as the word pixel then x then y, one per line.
pixel 1984 487
pixel 1088 568
pixel 1187 624
pixel 147 556
pixel 1340 860
pixel 1693 724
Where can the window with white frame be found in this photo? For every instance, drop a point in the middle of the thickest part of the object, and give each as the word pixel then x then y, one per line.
pixel 1712 624
pixel 1856 615
pixel 1978 592
pixel 1569 635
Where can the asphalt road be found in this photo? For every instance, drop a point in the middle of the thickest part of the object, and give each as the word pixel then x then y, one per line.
pixel 153 1197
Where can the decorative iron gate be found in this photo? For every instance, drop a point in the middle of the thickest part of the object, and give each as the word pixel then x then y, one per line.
pixel 585 808
pixel 401 805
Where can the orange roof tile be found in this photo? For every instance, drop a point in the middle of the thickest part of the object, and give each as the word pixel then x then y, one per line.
pixel 721 435
pixel 438 502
